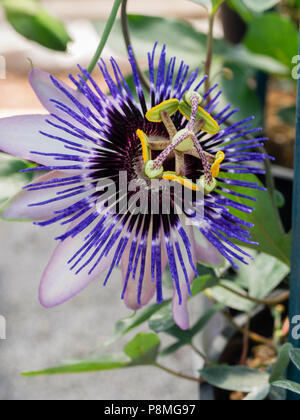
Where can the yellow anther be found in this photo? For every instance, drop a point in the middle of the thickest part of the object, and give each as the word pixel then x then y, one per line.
pixel 215 169
pixel 172 176
pixel 145 145
pixel 210 126
pixel 170 106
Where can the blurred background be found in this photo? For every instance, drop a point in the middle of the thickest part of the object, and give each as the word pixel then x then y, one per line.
pixel 257 79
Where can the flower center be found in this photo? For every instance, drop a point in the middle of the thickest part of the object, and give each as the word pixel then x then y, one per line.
pixel 181 143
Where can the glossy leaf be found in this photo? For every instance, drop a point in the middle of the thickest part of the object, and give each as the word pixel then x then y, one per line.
pixel 266 230
pixel 124 326
pixel 238 92
pixel 162 320
pixel 281 365
pixel 106 362
pixel 146 30
pixel 143 349
pixel 186 337
pixel 260 5
pixel 205 281
pixel 288 385
pixel 230 299
pixel 211 5
pixel 235 378
pixel 30 20
pixel 273 35
pixel 11 180
pixel 258 394
pixel 261 276
pixel 295 357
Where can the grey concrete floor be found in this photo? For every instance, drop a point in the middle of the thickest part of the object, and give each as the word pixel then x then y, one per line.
pixel 39 338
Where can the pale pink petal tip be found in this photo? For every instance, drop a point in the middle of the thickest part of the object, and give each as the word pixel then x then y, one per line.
pixel 46 91
pixel 180 312
pixel 207 253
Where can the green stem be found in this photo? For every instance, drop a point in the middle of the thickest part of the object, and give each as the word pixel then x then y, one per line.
pixel 178 375
pixel 127 39
pixel 253 336
pixel 107 30
pixel 210 49
pixel 271 302
pixel 202 355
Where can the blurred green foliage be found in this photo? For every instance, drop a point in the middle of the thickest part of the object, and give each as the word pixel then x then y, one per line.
pixel 31 20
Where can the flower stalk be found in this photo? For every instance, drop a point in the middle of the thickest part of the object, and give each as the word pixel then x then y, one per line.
pixel 107 30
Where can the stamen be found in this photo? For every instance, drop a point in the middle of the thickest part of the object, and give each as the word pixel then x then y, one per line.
pixel 170 107
pixel 145 145
pixel 185 182
pixel 210 125
pixel 215 169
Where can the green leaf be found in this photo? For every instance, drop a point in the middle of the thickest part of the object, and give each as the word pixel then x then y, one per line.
pixel 288 385
pixel 30 20
pixel 242 56
pixel 295 357
pixel 106 362
pixel 238 92
pixel 186 337
pixel 11 180
pixel 235 378
pixel 216 4
pixel 230 299
pixel 206 280
pixel 260 5
pixel 266 230
pixel 262 275
pixel 143 349
pixel 240 7
pixel 162 320
pixel 273 35
pixel 211 5
pixel 281 365
pixel 185 42
pixel 126 325
pixel 277 394
pixel 259 394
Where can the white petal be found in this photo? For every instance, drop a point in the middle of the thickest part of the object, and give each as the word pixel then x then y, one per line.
pixel 59 283
pixel 207 254
pixel 21 135
pixel 149 287
pixel 180 312
pixel 45 91
pixel 18 208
